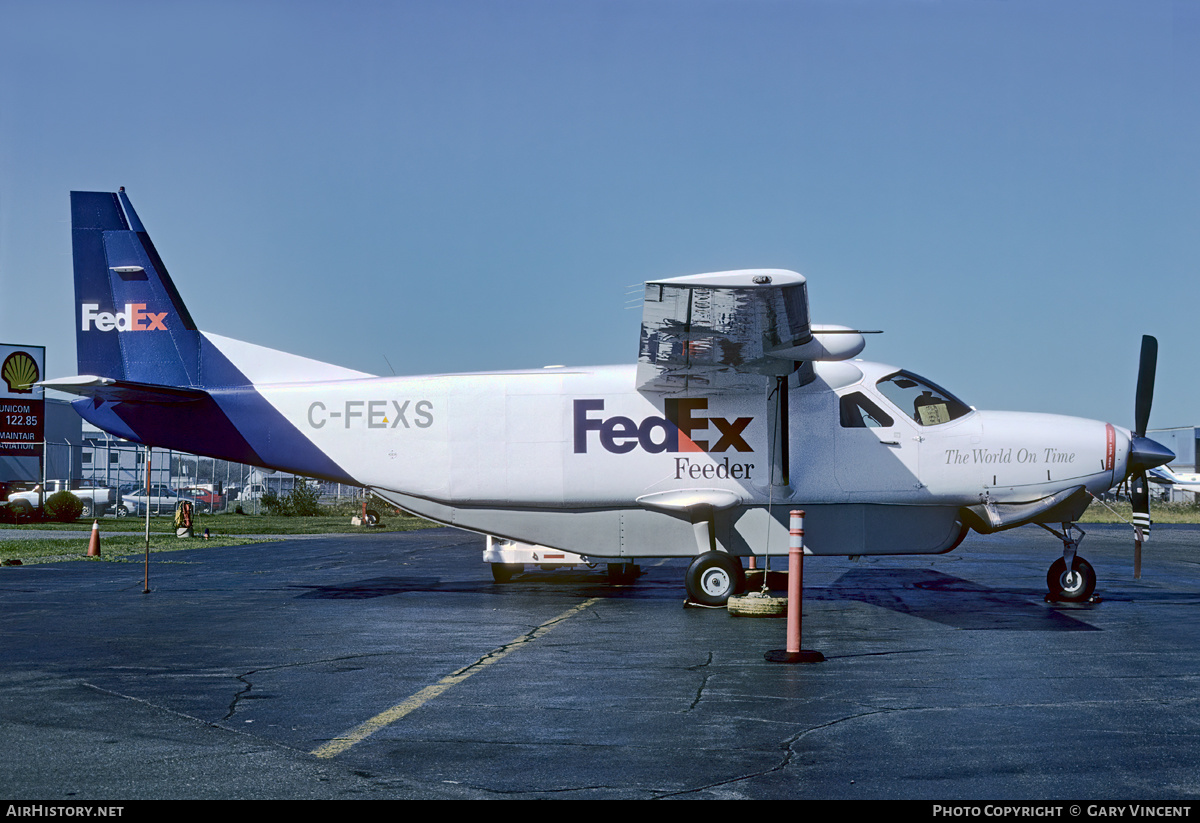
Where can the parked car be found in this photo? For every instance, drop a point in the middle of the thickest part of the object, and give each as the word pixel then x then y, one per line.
pixel 161 500
pixel 206 499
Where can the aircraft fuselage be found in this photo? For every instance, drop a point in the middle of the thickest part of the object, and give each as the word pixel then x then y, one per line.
pixel 575 459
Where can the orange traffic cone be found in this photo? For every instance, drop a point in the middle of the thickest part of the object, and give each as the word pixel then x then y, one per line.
pixel 94 543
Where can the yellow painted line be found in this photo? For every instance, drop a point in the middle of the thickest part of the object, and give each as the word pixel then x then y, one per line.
pixel 384 719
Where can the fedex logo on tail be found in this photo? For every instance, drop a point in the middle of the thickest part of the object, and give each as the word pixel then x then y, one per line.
pixel 678 431
pixel 134 318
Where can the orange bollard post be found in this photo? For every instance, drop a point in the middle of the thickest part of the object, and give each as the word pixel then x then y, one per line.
pixel 793 653
pixel 94 542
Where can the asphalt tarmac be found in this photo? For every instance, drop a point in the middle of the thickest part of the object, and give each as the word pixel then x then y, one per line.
pixel 392 666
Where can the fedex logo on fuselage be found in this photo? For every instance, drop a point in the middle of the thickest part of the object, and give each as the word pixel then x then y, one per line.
pixel 134 318
pixel 677 431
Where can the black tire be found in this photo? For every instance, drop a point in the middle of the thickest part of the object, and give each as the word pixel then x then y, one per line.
pixel 88 508
pixel 1071 589
pixel 504 572
pixel 123 511
pixel 372 517
pixel 713 577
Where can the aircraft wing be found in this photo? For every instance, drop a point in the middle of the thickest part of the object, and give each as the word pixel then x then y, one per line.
pixel 725 331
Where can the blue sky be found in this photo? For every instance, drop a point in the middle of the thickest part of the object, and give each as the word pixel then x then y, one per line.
pixel 1011 190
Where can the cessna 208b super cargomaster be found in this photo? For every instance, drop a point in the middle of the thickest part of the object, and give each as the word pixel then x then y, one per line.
pixel 738 410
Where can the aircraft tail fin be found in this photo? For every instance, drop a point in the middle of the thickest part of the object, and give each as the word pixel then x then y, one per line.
pixel 131 323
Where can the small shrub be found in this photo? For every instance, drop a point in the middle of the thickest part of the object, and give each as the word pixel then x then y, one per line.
pixel 303 500
pixel 275 505
pixel 63 507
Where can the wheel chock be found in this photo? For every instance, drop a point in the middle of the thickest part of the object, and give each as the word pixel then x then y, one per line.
pixel 757 604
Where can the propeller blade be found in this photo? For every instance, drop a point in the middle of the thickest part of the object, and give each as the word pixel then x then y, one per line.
pixel 1145 384
pixel 1143 454
pixel 1139 495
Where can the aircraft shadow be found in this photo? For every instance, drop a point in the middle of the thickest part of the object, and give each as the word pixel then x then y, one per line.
pixel 949 600
pixel 378 587
pixel 923 593
pixel 583 584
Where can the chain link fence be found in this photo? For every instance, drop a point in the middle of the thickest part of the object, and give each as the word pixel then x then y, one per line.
pixel 117 471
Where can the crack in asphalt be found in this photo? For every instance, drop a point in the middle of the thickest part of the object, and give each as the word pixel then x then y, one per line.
pixel 703 682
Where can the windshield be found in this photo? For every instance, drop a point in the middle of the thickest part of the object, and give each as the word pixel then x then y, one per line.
pixel 921 400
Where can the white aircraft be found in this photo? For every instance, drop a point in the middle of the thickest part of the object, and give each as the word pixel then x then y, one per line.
pixel 737 411
pixel 1166 476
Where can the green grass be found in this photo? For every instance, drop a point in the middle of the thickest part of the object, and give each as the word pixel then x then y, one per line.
pixel 224 530
pixel 1122 512
pixel 115 547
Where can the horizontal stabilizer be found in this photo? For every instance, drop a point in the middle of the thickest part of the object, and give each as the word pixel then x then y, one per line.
pixel 109 390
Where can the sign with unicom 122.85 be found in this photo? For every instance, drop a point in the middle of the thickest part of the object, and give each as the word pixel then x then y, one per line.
pixel 22 404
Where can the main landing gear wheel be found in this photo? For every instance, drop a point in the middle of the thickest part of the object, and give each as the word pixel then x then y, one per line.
pixel 1071 587
pixel 504 572
pixel 713 577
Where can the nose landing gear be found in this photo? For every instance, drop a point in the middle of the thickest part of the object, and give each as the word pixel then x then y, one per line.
pixel 1071 579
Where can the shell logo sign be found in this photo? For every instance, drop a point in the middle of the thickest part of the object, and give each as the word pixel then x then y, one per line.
pixel 19 372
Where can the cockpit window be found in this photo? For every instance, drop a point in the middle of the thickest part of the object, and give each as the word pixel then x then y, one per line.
pixel 924 402
pixel 858 412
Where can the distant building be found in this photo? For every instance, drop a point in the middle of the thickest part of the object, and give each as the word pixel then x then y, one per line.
pixel 1182 441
